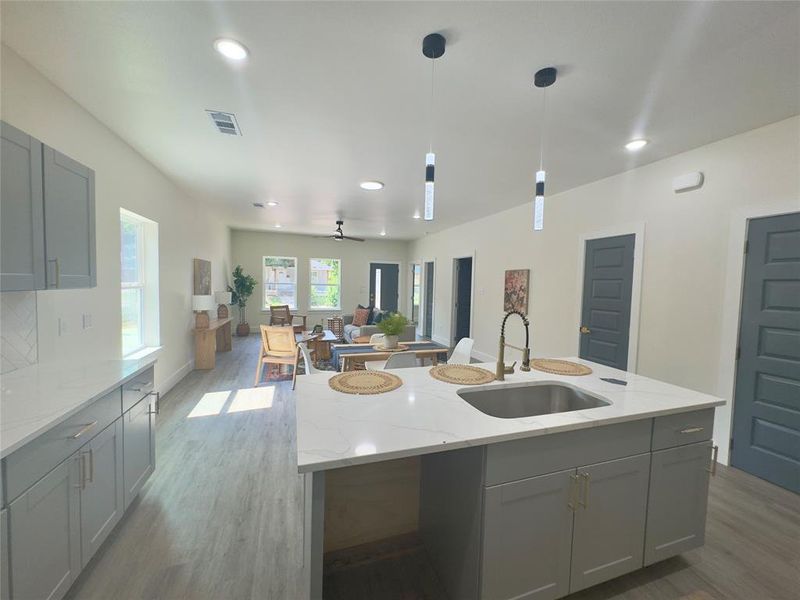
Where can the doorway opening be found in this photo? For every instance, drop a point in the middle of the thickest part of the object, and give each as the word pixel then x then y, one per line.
pixel 427 320
pixel 416 292
pixel 462 299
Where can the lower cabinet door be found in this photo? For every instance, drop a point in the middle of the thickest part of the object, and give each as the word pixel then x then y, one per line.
pixel 45 535
pixel 610 520
pixel 676 511
pixel 138 447
pixel 101 491
pixel 527 535
pixel 5 590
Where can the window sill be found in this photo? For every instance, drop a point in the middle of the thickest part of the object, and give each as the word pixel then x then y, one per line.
pixel 142 353
pixel 324 310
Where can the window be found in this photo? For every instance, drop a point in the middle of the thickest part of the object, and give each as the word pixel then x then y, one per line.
pixel 138 282
pixel 280 281
pixel 326 284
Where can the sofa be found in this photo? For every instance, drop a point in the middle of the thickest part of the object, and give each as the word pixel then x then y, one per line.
pixel 351 331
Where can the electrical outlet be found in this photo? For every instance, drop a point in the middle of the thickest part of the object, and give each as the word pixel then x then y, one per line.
pixel 87 320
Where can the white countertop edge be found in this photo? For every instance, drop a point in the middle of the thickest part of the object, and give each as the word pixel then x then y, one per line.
pixel 144 363
pixel 335 463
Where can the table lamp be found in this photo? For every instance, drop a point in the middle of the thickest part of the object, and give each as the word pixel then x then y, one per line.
pixel 201 304
pixel 223 299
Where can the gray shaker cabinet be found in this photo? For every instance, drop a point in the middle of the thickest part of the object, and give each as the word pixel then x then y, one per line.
pixel 69 222
pixel 610 520
pixel 101 488
pixel 22 263
pixel 45 534
pixel 139 447
pixel 676 513
pixel 527 538
pixel 5 590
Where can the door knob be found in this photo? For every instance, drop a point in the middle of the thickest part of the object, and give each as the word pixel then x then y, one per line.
pixel 585 329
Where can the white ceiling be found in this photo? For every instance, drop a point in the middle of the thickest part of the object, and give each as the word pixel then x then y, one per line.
pixel 335 92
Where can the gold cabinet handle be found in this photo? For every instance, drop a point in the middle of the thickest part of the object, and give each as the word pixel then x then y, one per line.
pixel 714 455
pixel 157 404
pixel 585 329
pixel 82 466
pixel 585 491
pixel 573 491
pixel 84 430
pixel 91 465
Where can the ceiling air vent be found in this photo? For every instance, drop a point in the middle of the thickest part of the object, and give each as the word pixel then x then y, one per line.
pixel 225 122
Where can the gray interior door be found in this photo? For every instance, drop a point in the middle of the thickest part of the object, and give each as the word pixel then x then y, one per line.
pixel 606 308
pixel 428 330
pixel 463 303
pixel 383 285
pixel 527 538
pixel 766 411
pixel 21 211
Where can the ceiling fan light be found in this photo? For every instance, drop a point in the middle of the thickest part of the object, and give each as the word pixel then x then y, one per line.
pixel 230 49
pixel 636 145
pixel 371 186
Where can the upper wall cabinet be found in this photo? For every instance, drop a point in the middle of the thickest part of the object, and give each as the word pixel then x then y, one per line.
pixel 48 217
pixel 22 263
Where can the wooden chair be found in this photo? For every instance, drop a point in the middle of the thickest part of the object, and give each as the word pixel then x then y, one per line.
pixel 279 314
pixel 278 347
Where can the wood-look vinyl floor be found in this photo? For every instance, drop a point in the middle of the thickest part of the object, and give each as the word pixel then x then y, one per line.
pixel 221 517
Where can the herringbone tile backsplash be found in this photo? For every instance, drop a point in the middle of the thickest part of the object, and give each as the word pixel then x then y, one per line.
pixel 18 340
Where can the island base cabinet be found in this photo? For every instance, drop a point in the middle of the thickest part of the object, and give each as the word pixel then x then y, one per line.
pixel 5 589
pixel 676 512
pixel 527 538
pixel 45 535
pixel 609 521
pixel 139 455
pixel 101 488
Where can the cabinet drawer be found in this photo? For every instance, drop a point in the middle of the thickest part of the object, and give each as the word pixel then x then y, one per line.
pixel 510 461
pixel 683 428
pixel 137 388
pixel 34 460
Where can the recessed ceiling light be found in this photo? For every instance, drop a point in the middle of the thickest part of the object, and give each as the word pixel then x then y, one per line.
pixel 230 49
pixel 371 186
pixel 258 205
pixel 635 145
pixel 272 203
pixel 277 226
pixel 383 232
pixel 416 215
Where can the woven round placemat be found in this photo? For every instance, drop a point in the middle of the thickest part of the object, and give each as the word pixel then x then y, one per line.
pixel 365 382
pixel 461 374
pixel 398 348
pixel 559 367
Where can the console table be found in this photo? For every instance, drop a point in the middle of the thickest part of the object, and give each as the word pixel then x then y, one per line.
pixel 208 341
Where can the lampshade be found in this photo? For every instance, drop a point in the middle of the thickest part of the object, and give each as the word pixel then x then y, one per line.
pixel 203 303
pixel 222 297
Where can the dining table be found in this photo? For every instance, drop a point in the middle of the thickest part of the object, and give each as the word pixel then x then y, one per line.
pixel 346 356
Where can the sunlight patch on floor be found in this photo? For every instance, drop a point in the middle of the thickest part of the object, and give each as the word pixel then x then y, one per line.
pixel 210 404
pixel 213 403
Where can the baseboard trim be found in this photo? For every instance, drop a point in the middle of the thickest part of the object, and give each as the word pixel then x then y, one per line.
pixel 171 381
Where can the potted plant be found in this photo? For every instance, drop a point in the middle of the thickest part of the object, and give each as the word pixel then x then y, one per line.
pixel 392 325
pixel 243 286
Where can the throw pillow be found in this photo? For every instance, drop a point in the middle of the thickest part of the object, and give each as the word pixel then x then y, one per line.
pixel 371 308
pixel 378 316
pixel 360 316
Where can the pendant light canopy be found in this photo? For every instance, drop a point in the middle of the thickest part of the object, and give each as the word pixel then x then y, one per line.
pixel 544 78
pixel 432 47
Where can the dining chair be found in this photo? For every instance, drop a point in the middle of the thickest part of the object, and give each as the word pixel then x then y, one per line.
pixel 375 365
pixel 278 347
pixel 279 314
pixel 462 353
pixel 309 364
pixel 401 360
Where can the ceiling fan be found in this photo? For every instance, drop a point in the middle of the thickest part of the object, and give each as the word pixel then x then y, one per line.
pixel 338 235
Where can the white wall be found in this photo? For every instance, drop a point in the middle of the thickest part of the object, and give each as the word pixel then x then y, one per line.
pixel 248 247
pixel 123 178
pixel 686 252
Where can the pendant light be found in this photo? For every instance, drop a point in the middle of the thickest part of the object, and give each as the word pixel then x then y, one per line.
pixel 433 48
pixel 544 78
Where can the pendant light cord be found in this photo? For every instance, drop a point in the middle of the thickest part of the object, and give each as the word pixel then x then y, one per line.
pixel 544 128
pixel 430 144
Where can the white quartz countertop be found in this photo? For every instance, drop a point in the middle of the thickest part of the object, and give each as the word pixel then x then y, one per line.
pixel 35 399
pixel 426 415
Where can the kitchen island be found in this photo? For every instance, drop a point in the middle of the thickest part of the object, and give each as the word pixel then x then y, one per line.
pixel 534 507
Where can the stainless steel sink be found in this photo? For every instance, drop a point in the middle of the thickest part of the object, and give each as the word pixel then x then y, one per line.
pixel 529 399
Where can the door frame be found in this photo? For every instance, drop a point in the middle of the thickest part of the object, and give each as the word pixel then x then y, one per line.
pixel 410 299
pixel 637 230
pixel 732 315
pixel 400 286
pixel 454 294
pixel 424 291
